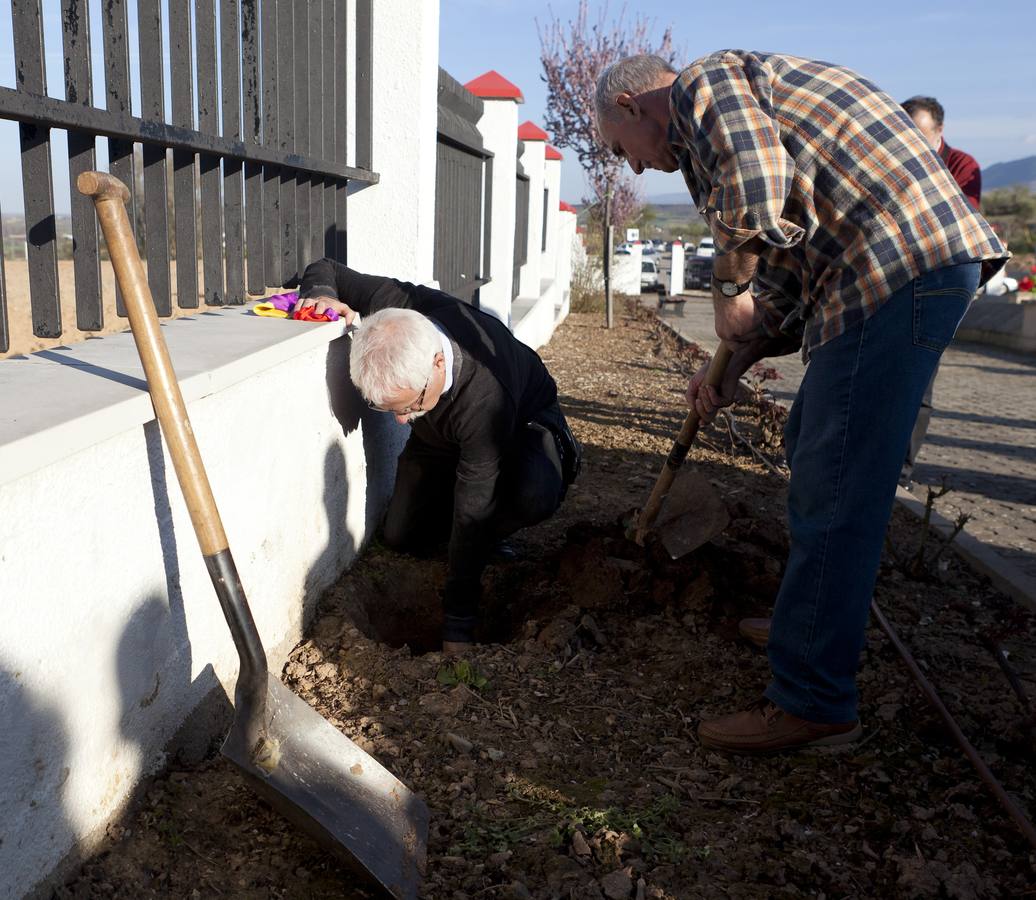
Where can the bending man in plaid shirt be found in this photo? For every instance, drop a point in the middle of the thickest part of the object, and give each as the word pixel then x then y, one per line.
pixel 839 231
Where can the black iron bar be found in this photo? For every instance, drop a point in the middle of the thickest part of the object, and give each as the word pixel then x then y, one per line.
pixel 252 132
pixel 185 213
pixel 156 204
pixel 233 189
pixel 208 123
pixel 37 177
pixel 75 37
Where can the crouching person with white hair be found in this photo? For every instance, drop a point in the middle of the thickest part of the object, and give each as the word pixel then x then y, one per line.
pixel 489 450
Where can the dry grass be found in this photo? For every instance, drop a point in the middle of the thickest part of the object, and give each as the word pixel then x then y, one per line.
pixel 19 316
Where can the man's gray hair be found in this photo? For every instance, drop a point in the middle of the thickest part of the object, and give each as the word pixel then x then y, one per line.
pixel 632 75
pixel 392 351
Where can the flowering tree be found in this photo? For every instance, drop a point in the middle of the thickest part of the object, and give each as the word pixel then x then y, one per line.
pixel 573 55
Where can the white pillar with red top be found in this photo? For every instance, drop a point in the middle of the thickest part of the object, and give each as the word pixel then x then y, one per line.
pixel 499 125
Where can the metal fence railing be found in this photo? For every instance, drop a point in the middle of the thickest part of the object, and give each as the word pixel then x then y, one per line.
pixel 521 222
pixel 463 194
pixel 256 144
pixel 546 210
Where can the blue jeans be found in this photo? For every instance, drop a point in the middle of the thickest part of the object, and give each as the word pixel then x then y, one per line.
pixel 846 437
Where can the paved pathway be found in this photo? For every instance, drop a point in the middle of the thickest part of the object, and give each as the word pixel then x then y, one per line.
pixel 982 436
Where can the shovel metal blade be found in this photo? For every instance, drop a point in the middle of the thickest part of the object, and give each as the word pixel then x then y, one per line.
pixel 693 514
pixel 321 781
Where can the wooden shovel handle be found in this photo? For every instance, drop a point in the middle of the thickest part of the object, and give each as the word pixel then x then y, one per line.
pixel 681 447
pixel 110 196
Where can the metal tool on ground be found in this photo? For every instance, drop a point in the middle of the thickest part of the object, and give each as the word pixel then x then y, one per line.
pixel 297 761
pixel 686 511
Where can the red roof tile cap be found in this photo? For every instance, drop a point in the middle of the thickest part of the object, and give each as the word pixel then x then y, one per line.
pixel 493 86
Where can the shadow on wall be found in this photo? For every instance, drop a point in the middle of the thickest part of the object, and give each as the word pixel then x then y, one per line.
pixel 34 771
pixel 383 438
pixel 156 635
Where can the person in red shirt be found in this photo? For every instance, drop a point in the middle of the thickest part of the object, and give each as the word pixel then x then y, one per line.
pixel 927 114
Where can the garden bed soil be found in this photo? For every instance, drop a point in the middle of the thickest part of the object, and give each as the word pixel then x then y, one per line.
pixel 560 759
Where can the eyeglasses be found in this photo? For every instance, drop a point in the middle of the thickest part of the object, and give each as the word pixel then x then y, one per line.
pixel 412 408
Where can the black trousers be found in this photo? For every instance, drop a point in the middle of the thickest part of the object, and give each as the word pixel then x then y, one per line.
pixel 420 514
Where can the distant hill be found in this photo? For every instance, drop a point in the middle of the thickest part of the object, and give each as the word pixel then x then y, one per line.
pixel 677 199
pixel 998 175
pixel 1008 174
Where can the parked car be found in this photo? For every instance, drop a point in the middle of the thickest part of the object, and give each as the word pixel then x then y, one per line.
pixel 697 272
pixel 649 275
pixel 706 247
pixel 649 250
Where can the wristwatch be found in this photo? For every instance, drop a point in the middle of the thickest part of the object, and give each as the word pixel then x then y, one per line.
pixel 730 288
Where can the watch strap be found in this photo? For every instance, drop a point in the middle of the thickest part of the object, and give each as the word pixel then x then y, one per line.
pixel 741 287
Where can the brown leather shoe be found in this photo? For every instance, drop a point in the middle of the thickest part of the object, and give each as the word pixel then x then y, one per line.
pixel 766 728
pixel 755 631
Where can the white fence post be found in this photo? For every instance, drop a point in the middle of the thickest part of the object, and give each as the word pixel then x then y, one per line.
pixel 498 125
pixel 535 139
pixel 675 285
pixel 552 186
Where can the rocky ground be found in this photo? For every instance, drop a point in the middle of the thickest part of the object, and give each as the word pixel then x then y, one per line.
pixel 560 760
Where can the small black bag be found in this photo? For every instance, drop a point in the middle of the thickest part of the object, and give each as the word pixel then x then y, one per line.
pixel 570 452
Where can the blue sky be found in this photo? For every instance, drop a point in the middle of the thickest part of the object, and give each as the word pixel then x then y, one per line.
pixel 979 60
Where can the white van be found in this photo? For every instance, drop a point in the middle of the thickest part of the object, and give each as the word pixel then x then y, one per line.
pixel 648 274
pixel 706 248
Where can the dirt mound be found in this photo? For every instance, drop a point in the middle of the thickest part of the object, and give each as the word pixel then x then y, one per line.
pixel 561 760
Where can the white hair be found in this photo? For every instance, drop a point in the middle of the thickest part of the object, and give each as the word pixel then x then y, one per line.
pixel 632 75
pixel 392 351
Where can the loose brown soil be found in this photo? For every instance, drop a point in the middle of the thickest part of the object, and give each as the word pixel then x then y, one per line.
pixel 564 763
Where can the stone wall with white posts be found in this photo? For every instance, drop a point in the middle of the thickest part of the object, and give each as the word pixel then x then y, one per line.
pixel 543 280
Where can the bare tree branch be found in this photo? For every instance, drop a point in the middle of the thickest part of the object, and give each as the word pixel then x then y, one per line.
pixel 573 54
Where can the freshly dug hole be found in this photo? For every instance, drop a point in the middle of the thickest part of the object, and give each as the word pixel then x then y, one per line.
pixel 397 600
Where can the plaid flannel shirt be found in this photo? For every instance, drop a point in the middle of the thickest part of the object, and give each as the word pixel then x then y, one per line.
pixel 831 174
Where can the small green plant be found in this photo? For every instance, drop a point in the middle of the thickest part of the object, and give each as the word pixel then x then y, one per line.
pixel 169 832
pixel 555 818
pixel 650 825
pixel 462 672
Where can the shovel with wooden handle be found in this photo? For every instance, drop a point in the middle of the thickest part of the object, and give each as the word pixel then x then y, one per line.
pixel 297 761
pixel 692 513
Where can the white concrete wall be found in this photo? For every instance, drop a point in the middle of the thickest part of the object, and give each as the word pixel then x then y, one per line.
pixel 626 271
pixel 567 242
pixel 112 632
pixel 392 224
pixel 532 161
pixel 535 321
pixel 498 125
pixel 675 285
pixel 578 247
pixel 552 182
